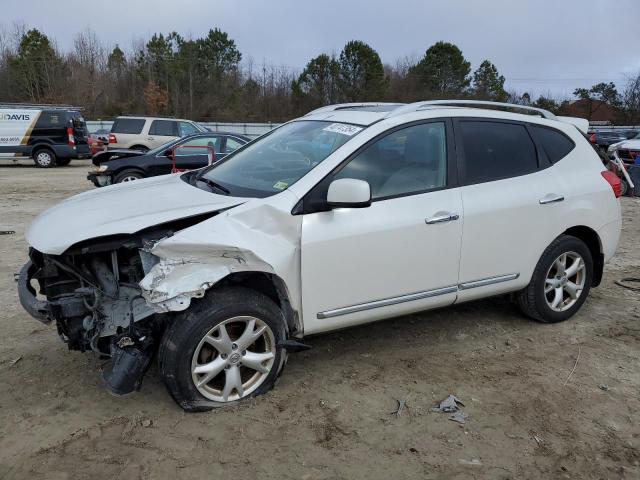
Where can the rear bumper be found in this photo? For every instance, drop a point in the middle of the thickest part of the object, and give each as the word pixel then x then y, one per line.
pixel 609 237
pixel 100 179
pixel 38 309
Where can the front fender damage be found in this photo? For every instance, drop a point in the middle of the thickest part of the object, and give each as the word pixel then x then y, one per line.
pixel 254 237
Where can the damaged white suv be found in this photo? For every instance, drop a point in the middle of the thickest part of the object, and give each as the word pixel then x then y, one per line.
pixel 351 214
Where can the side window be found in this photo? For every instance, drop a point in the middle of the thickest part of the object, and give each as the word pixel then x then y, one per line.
pixel 166 128
pixel 555 144
pixel 231 145
pixel 128 125
pixel 187 129
pixel 198 146
pixel 493 151
pixel 409 160
pixel 52 120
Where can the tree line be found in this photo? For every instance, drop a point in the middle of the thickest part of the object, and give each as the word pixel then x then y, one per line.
pixel 208 78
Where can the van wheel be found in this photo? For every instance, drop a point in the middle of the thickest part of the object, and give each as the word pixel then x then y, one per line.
pixel 225 348
pixel 44 158
pixel 560 283
pixel 140 148
pixel 63 162
pixel 128 176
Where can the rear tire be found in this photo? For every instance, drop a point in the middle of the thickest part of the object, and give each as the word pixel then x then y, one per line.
pixel 195 341
pixel 128 176
pixel 44 158
pixel 557 292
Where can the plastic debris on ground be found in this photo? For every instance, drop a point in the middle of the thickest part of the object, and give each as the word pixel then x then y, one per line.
pixel 458 417
pixel 449 404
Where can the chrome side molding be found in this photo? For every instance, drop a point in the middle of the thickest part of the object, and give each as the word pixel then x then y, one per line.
pixel 488 281
pixel 387 301
pixel 416 296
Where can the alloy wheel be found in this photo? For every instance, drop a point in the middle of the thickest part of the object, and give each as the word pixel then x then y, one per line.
pixel 565 281
pixel 233 359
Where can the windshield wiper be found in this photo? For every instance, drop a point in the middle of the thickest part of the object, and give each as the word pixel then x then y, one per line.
pixel 214 185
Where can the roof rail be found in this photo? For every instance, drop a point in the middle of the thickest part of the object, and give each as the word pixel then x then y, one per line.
pixel 39 105
pixel 414 107
pixel 344 106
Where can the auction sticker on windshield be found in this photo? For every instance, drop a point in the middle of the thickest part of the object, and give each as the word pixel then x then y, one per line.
pixel 343 129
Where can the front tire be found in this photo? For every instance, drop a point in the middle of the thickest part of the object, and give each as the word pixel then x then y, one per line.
pixel 624 188
pixel 225 348
pixel 560 282
pixel 44 158
pixel 128 176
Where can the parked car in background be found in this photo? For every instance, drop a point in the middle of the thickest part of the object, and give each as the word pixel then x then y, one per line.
pixel 187 153
pixel 628 149
pixel 146 133
pixel 98 140
pixel 52 135
pixel 351 214
pixel 629 153
pixel 604 139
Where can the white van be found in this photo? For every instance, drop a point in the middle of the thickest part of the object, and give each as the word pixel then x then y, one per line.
pixel 52 135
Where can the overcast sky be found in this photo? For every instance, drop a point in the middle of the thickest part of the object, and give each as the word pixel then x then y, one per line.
pixel 538 45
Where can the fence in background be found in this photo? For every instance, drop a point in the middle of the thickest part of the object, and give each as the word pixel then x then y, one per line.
pixel 249 129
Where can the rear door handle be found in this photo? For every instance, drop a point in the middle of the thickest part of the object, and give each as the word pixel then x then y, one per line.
pixel 551 198
pixel 446 217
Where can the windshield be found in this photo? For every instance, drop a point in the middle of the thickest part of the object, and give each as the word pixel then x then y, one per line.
pixel 278 160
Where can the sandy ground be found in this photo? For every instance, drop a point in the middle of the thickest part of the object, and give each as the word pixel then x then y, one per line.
pixel 330 414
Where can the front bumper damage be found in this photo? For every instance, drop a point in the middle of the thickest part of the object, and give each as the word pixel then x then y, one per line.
pixel 100 179
pixel 110 294
pixel 38 309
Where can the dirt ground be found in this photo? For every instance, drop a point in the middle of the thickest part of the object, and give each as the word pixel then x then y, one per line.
pixel 330 414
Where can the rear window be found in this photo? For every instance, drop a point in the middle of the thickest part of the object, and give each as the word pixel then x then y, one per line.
pixel 167 128
pixel 555 144
pixel 493 151
pixel 78 120
pixel 128 125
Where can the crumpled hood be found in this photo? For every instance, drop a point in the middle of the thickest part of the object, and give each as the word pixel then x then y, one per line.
pixel 121 209
pixel 625 144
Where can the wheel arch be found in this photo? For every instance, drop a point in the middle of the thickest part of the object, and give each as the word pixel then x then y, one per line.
pixel 42 146
pixel 118 171
pixel 591 238
pixel 272 286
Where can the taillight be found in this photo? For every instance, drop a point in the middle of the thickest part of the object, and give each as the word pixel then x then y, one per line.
pixel 592 138
pixel 71 140
pixel 112 138
pixel 613 180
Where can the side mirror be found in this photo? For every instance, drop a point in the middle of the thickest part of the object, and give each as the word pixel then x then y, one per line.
pixel 349 193
pixel 168 153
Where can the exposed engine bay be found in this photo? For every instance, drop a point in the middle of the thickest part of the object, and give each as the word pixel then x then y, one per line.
pixel 92 295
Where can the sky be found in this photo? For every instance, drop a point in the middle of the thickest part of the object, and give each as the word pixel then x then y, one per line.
pixel 540 46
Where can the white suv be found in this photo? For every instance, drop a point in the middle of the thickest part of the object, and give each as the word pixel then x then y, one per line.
pixel 351 214
pixel 147 133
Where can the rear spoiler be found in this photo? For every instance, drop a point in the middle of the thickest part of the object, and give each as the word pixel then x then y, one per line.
pixel 581 124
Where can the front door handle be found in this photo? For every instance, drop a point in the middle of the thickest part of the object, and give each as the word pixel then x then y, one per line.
pixel 446 217
pixel 551 198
